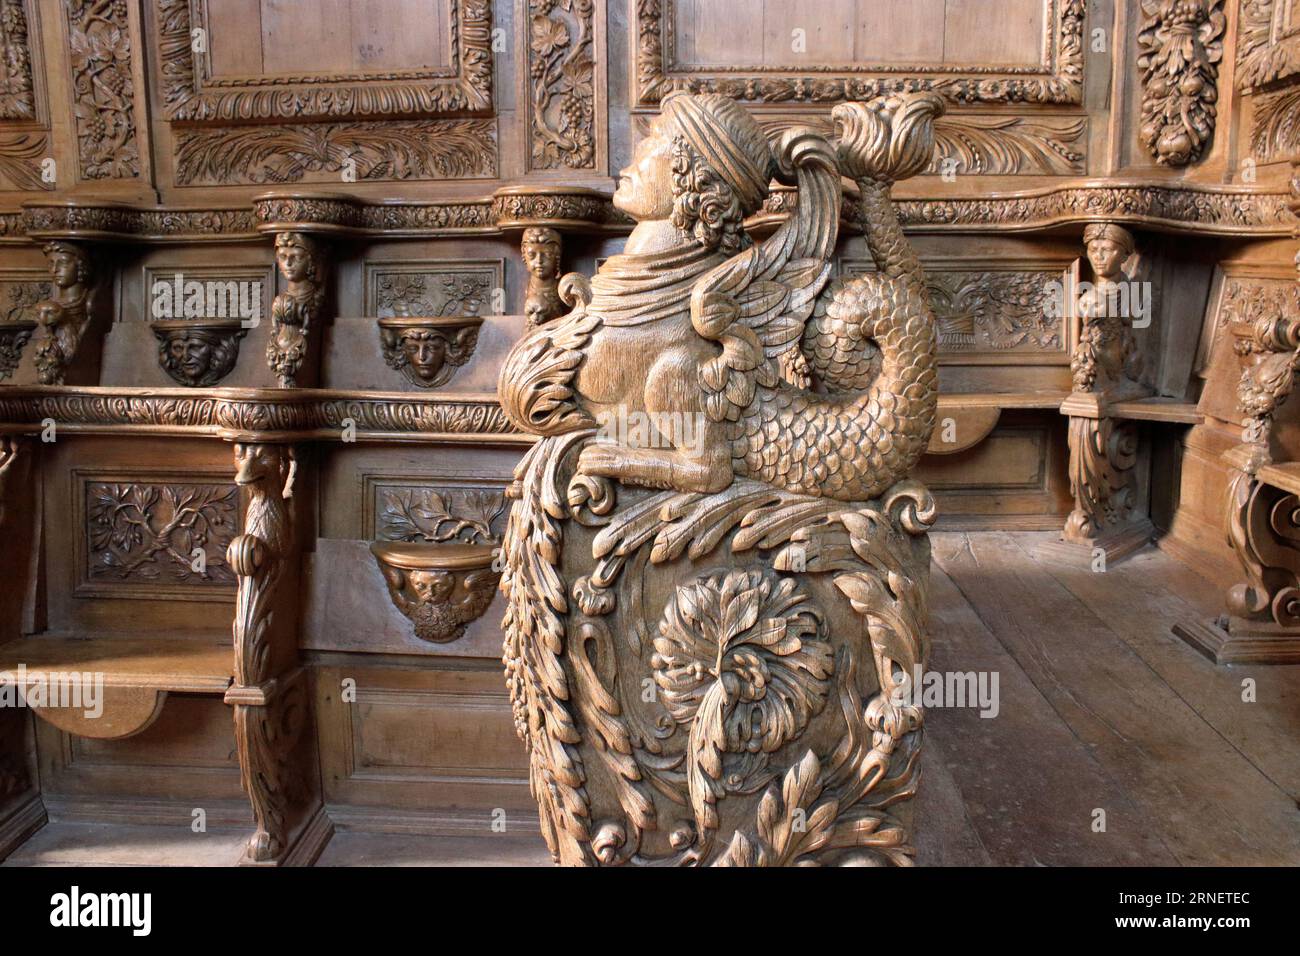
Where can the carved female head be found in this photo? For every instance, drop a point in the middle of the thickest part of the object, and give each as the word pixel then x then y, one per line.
pixel 69 264
pixel 540 247
pixel 706 165
pixel 1109 246
pixel 296 255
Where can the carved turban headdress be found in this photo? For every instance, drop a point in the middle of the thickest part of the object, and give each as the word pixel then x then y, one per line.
pixel 727 138
pixel 1109 230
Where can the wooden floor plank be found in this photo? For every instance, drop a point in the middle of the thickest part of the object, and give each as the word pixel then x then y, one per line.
pixel 944 833
pixel 1139 600
pixel 1208 803
pixel 1028 785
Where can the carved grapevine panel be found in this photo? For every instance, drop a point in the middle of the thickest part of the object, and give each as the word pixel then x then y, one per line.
pixel 142 533
pixel 17 91
pixel 561 74
pixel 99 43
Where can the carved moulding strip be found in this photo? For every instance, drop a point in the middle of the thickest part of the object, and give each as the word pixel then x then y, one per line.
pixel 1180 44
pixel 561 84
pixel 192 96
pixel 1058 79
pixel 1266 50
pixel 380 151
pixel 103 88
pixel 1203 210
pixel 300 414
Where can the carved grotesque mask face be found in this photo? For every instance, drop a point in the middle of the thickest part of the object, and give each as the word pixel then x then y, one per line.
pixel 645 187
pixel 293 261
pixel 192 354
pixel 431 585
pixel 47 313
pixel 1106 257
pixel 425 353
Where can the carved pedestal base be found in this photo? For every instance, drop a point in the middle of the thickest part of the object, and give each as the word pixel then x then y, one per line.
pixel 1231 640
pixel 1103 455
pixel 277 764
pixel 1115 544
pixel 715 678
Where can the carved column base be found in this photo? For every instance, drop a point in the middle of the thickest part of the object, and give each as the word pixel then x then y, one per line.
pixel 278 768
pixel 1232 640
pixel 715 679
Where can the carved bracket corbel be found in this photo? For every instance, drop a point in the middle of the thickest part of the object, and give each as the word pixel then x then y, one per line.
pixel 427 350
pixel 269 695
pixel 66 318
pixel 13 336
pixel 198 352
pixel 301 261
pixel 441 588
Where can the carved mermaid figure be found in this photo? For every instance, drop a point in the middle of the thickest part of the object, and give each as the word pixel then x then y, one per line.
pixel 694 319
pixel 752 551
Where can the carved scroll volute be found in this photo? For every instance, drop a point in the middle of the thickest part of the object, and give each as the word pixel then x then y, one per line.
pixel 297 312
pixel 269 696
pixel 710 616
pixel 1181 45
pixel 68 341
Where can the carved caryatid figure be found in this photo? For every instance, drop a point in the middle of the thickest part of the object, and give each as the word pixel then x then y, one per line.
pixel 541 248
pixel 696 668
pixel 301 262
pixel 63 317
pixel 1105 367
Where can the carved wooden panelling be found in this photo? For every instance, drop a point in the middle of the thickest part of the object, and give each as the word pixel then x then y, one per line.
pixel 19 295
pixel 1244 300
pixel 1268 42
pixel 103 89
pixel 337 152
pixel 1275 130
pixel 856 50
pixel 992 312
pixel 432 287
pixel 562 84
pixel 206 292
pixel 468 513
pixel 24 137
pixel 271 89
pixel 155 537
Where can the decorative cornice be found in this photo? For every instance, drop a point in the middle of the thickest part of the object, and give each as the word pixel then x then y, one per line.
pixel 1160 207
pixel 264 414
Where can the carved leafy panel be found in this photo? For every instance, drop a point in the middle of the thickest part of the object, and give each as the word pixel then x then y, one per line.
pixel 562 84
pixel 1058 78
pixel 431 287
pixel 337 152
pixel 156 537
pixel 1268 42
pixel 192 95
pixel 19 293
pixel 103 90
pixel 993 312
pixel 465 513
pixel 1275 131
pixel 17 87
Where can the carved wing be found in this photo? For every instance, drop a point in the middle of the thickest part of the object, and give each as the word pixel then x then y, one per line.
pixel 756 303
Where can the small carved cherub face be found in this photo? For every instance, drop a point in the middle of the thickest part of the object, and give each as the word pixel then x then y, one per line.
pixel 431 585
pixel 294 262
pixel 1106 257
pixel 541 252
pixel 425 353
pixel 645 188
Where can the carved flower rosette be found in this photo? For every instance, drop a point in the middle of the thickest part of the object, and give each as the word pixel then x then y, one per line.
pixel 715 679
